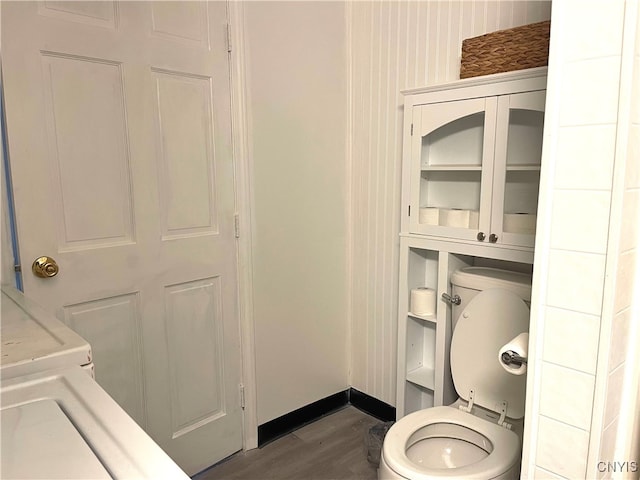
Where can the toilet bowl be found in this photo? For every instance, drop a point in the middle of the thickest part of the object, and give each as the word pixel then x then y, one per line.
pixel 473 438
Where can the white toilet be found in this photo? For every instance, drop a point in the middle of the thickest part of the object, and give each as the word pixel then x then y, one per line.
pixel 476 436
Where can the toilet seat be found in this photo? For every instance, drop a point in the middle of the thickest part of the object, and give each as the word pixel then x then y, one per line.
pixel 504 445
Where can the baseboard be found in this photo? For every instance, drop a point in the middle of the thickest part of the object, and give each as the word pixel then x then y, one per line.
pixel 291 421
pixel 278 427
pixel 374 407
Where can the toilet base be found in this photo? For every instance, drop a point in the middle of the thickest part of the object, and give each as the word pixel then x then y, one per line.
pixel 385 473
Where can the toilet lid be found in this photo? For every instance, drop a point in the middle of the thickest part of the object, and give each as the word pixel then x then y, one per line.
pixel 490 320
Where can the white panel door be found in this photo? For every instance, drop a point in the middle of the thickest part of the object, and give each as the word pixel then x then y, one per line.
pixel 120 144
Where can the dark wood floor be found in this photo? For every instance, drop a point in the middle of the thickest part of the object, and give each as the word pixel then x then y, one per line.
pixel 331 448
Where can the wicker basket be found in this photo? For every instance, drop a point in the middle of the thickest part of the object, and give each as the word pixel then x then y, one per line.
pixel 506 50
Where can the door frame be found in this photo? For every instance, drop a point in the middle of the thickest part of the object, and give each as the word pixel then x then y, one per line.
pixel 243 165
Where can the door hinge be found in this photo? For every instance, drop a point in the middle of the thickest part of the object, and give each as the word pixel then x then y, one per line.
pixel 242 396
pixel 236 225
pixel 228 37
pixel 409 212
pixel 412 129
pixel 17 268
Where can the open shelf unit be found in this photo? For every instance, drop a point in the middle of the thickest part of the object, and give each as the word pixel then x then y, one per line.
pixel 424 372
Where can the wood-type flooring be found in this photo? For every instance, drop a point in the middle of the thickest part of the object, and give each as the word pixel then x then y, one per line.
pixel 331 448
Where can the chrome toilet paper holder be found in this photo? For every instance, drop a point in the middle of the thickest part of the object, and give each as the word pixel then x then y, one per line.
pixel 512 358
pixel 455 300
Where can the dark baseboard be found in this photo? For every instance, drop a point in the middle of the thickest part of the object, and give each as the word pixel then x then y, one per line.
pixel 374 407
pixel 291 421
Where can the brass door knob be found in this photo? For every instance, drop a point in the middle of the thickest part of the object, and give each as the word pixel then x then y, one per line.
pixel 45 267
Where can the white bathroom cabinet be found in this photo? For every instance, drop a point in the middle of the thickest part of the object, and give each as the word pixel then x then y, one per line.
pixel 471 167
pixel 424 373
pixel 470 180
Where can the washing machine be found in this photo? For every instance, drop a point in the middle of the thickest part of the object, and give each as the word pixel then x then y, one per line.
pixel 34 340
pixel 56 421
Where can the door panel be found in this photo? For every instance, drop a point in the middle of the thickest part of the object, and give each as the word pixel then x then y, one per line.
pixel 85 100
pixel 118 118
pixel 185 125
pixel 102 13
pixel 181 21
pixel 113 328
pixel 196 394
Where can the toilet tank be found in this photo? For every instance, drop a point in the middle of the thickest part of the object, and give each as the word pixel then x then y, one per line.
pixel 469 281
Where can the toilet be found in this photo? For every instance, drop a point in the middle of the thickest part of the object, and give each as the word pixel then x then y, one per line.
pixel 480 435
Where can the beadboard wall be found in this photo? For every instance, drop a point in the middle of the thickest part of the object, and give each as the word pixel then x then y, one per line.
pixel 396 46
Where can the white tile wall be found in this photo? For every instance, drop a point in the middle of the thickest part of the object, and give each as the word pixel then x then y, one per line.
pixel 582 167
pixel 614 389
pixel 575 281
pixel 580 220
pixel 579 157
pixel 571 339
pixel 635 92
pixel 542 474
pixel 630 229
pixel 632 178
pixel 619 338
pixel 561 448
pixel 590 35
pixel 614 433
pixel 625 278
pixel 590 91
pixel 569 397
pixel 607 452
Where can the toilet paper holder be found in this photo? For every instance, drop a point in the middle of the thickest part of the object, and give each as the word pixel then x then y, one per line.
pixel 455 300
pixel 512 358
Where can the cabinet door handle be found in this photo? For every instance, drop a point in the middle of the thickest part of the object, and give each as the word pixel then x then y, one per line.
pixel 481 236
pixel 493 238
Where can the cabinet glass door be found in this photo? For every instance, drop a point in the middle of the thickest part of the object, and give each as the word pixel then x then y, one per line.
pixel 452 150
pixel 517 167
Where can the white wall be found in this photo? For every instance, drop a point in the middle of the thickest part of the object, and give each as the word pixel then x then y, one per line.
pixel 586 247
pixel 396 46
pixel 297 108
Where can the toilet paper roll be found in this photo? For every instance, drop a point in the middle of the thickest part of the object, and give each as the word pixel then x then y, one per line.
pixel 429 215
pixel 519 345
pixel 519 223
pixel 455 217
pixel 423 301
pixel 474 219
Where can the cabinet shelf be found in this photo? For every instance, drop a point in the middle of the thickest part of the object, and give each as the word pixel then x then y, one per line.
pixel 430 318
pixel 423 376
pixel 452 168
pixel 523 168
